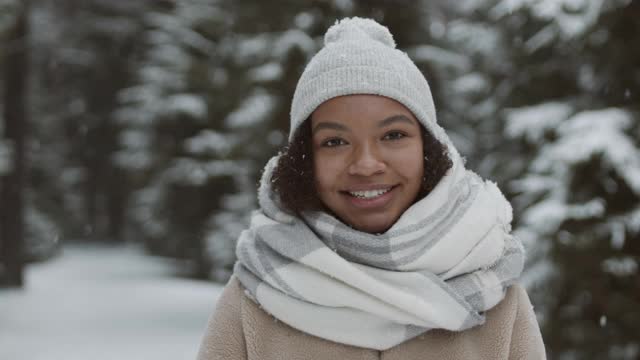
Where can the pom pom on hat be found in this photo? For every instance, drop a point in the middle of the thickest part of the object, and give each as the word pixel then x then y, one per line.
pixel 358 29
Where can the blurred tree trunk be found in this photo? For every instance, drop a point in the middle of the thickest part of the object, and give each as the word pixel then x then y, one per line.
pixel 15 118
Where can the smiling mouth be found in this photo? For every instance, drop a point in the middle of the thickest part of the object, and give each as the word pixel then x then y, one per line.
pixel 369 194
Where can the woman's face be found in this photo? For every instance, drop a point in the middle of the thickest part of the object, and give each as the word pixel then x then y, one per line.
pixel 368 159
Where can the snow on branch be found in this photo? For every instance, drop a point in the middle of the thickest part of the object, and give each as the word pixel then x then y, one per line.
pixel 439 56
pixel 532 122
pixel 547 216
pixel 253 110
pixel 597 132
pixel 294 39
pixel 209 142
pixel 571 18
pixel 187 104
pixel 5 157
pixel 192 172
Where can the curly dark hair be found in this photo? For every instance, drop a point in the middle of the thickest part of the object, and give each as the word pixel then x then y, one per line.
pixel 293 177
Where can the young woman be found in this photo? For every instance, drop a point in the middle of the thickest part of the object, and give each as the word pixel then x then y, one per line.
pixel 372 240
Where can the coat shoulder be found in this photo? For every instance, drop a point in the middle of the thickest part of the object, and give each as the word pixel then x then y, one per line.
pixel 224 336
pixel 526 338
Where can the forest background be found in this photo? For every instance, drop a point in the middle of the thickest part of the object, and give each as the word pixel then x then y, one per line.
pixel 150 121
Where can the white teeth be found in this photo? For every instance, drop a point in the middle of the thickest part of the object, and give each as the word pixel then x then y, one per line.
pixel 369 194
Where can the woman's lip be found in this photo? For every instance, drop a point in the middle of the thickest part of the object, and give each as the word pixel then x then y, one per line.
pixel 369 187
pixel 378 201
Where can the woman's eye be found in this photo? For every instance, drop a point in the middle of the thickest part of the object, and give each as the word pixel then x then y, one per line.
pixel 394 135
pixel 333 142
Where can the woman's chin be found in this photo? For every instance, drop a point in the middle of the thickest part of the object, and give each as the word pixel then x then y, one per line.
pixel 372 226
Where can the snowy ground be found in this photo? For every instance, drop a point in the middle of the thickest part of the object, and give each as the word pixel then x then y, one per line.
pixel 104 303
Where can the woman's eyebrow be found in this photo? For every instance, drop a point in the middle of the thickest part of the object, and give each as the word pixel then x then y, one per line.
pixel 329 125
pixel 396 118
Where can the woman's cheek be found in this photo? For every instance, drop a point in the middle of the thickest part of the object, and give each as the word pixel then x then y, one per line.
pixel 408 161
pixel 327 171
pixel 322 170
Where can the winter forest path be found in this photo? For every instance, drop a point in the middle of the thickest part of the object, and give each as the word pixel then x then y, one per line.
pixel 104 303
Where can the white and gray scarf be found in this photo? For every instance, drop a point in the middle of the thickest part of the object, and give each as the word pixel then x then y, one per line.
pixel 448 259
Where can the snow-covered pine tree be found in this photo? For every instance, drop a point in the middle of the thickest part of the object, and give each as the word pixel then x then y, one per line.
pixel 260 60
pixel 581 199
pixel 173 145
pixel 531 67
pixel 80 61
pixel 575 115
pixel 460 56
pixel 7 15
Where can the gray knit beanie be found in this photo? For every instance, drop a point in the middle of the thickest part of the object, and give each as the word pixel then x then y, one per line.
pixel 360 57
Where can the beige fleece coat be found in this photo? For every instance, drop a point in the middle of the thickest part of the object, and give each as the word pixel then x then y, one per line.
pixel 240 330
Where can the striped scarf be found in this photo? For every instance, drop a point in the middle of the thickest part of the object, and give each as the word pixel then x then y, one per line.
pixel 446 260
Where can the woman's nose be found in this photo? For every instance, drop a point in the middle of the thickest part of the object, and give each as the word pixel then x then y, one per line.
pixel 366 162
